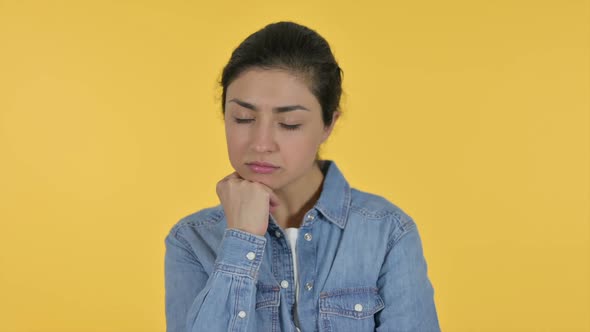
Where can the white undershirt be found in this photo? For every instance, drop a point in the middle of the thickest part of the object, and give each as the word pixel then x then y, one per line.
pixel 292 233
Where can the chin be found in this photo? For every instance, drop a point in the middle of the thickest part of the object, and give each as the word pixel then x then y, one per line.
pixel 247 174
pixel 266 180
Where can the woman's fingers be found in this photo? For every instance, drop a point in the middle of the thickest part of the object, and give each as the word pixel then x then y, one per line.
pixel 234 180
pixel 273 198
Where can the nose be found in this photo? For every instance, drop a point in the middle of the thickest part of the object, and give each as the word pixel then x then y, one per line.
pixel 264 140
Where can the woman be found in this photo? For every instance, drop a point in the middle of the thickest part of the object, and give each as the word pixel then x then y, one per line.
pixel 292 247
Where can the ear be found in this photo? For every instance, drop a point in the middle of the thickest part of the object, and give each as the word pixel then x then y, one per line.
pixel 328 130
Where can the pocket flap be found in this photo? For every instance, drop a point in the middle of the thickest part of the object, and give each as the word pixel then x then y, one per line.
pixel 267 295
pixel 356 303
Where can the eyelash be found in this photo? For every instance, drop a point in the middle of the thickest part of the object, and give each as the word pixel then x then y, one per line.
pixel 285 126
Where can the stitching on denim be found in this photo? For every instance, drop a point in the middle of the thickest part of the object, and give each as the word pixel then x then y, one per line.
pixel 275 317
pixel 371 214
pixel 386 207
pixel 273 300
pixel 346 204
pixel 372 292
pixel 234 320
pixel 353 314
pixel 343 209
pixel 349 290
pixel 404 224
pixel 327 324
pixel 202 217
pixel 244 236
pixel 234 270
pixel 382 214
pixel 186 245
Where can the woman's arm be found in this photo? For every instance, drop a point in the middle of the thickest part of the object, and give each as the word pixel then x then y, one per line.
pixel 223 301
pixel 404 285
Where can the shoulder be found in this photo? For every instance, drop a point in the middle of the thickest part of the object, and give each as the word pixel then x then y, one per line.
pixel 208 216
pixel 374 207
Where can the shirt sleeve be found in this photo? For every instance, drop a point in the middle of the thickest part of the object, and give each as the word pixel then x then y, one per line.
pixel 404 285
pixel 222 301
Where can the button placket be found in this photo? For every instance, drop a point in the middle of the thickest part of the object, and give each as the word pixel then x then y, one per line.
pixel 307 248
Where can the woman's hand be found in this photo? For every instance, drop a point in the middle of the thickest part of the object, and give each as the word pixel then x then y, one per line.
pixel 246 204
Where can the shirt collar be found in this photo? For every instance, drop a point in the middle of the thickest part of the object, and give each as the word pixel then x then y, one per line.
pixel 334 201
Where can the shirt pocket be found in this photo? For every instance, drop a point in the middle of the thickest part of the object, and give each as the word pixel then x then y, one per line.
pixel 350 309
pixel 267 307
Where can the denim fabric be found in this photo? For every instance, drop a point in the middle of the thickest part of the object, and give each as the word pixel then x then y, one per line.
pixel 362 269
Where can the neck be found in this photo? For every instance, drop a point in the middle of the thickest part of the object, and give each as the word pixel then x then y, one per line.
pixel 298 197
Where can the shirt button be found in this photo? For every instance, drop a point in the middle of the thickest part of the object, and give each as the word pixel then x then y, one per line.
pixel 251 255
pixel 307 236
pixel 309 286
pixel 277 234
pixel 310 217
pixel 242 314
pixel 358 307
pixel 284 284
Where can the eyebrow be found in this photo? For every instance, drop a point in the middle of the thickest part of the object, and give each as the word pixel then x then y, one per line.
pixel 280 109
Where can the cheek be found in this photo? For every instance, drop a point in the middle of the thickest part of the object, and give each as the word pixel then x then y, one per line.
pixel 302 148
pixel 235 142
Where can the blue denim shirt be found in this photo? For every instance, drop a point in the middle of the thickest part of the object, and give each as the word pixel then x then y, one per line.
pixel 361 268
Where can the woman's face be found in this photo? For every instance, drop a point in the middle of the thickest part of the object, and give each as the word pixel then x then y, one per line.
pixel 272 117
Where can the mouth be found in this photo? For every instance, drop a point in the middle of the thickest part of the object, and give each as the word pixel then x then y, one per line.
pixel 262 167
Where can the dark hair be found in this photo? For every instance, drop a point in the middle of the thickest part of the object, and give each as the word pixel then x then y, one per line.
pixel 296 48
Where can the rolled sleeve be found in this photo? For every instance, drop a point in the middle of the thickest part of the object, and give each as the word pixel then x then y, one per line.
pixel 240 253
pixel 222 301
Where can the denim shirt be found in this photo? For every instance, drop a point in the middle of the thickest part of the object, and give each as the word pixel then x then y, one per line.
pixel 360 264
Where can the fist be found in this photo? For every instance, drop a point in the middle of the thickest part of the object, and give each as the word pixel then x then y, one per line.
pixel 246 204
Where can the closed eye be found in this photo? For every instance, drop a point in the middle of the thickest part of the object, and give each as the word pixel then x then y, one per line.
pixel 283 125
pixel 239 120
pixel 290 127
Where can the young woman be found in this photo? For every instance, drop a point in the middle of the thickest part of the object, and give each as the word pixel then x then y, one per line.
pixel 292 247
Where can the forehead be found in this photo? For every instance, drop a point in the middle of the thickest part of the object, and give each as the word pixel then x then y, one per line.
pixel 271 88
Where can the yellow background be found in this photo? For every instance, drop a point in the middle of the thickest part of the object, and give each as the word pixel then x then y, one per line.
pixel 473 116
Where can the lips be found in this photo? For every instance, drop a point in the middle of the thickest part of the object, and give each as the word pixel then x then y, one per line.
pixel 262 167
pixel 262 164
